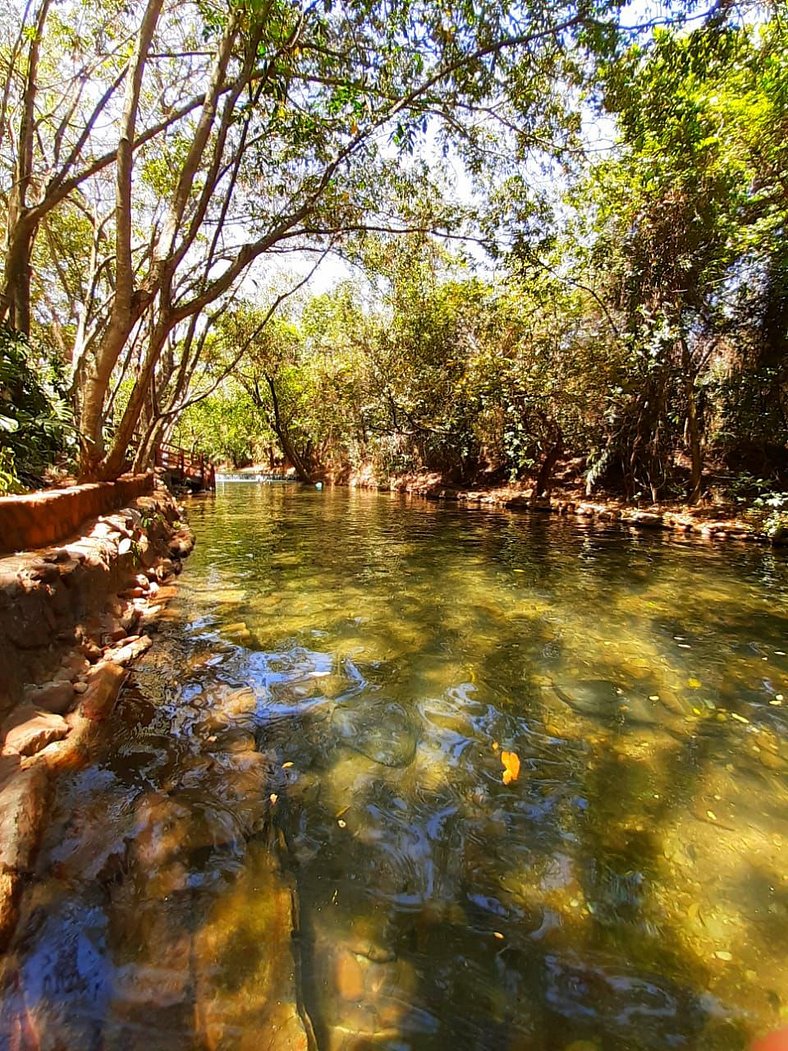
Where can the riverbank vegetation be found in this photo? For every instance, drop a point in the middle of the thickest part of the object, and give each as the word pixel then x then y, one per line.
pixel 561 226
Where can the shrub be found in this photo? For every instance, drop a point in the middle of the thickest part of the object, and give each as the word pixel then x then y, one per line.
pixel 36 424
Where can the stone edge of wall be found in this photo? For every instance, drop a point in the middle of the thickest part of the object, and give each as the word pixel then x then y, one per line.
pixel 35 520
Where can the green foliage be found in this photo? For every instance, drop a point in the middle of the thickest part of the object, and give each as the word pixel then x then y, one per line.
pixel 9 482
pixel 769 512
pixel 35 423
pixel 678 235
pixel 225 426
pixel 636 324
pixel 642 327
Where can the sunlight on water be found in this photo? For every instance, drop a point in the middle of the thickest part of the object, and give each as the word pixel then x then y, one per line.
pixel 341 677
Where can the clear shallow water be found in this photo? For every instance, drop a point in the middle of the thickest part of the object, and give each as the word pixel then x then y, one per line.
pixel 338 679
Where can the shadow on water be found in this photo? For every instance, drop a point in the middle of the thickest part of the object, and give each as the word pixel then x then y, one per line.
pixel 346 674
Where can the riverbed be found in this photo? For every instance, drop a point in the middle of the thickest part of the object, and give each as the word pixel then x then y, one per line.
pixel 305 830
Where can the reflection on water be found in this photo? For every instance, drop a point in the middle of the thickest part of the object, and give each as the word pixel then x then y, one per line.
pixel 341 676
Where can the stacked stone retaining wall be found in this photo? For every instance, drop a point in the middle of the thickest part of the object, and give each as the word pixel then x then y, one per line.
pixel 37 519
pixel 72 617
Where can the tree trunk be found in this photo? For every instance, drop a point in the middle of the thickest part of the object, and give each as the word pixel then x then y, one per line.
pixel 16 291
pixel 544 478
pixel 128 304
pixel 115 460
pixel 693 426
pixel 94 391
pixel 21 231
pixel 280 429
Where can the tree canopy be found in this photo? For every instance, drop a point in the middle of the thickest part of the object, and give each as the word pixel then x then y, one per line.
pixel 524 298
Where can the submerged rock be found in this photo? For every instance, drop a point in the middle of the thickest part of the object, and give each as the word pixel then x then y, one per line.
pixel 60 987
pixel 242 963
pixel 603 700
pixel 382 730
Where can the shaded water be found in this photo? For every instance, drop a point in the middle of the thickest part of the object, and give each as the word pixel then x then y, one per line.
pixel 336 685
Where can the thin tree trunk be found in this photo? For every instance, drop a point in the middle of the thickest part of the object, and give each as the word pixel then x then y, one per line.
pixel 116 457
pixel 280 428
pixel 693 426
pixel 128 305
pixel 552 456
pixel 16 292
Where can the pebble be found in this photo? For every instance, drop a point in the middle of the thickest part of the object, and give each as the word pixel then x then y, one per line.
pixel 91 650
pixel 770 760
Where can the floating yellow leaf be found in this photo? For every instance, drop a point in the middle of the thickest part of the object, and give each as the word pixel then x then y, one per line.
pixel 511 764
pixel 495 746
pixel 694 684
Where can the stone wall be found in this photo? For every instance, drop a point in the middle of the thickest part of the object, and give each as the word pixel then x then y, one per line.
pixel 37 519
pixel 72 617
pixel 80 594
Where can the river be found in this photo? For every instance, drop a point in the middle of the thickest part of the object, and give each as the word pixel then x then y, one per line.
pixel 300 832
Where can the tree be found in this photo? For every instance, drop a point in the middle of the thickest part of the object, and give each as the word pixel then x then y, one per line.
pixel 287 137
pixel 63 69
pixel 675 219
pixel 225 426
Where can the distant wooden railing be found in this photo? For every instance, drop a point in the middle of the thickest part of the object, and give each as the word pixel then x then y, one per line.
pixel 186 468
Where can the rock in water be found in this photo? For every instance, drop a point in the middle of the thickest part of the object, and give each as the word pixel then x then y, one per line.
pixel 381 730
pixel 595 697
pixel 603 700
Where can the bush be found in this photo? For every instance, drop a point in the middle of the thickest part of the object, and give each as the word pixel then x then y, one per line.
pixel 769 513
pixel 36 423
